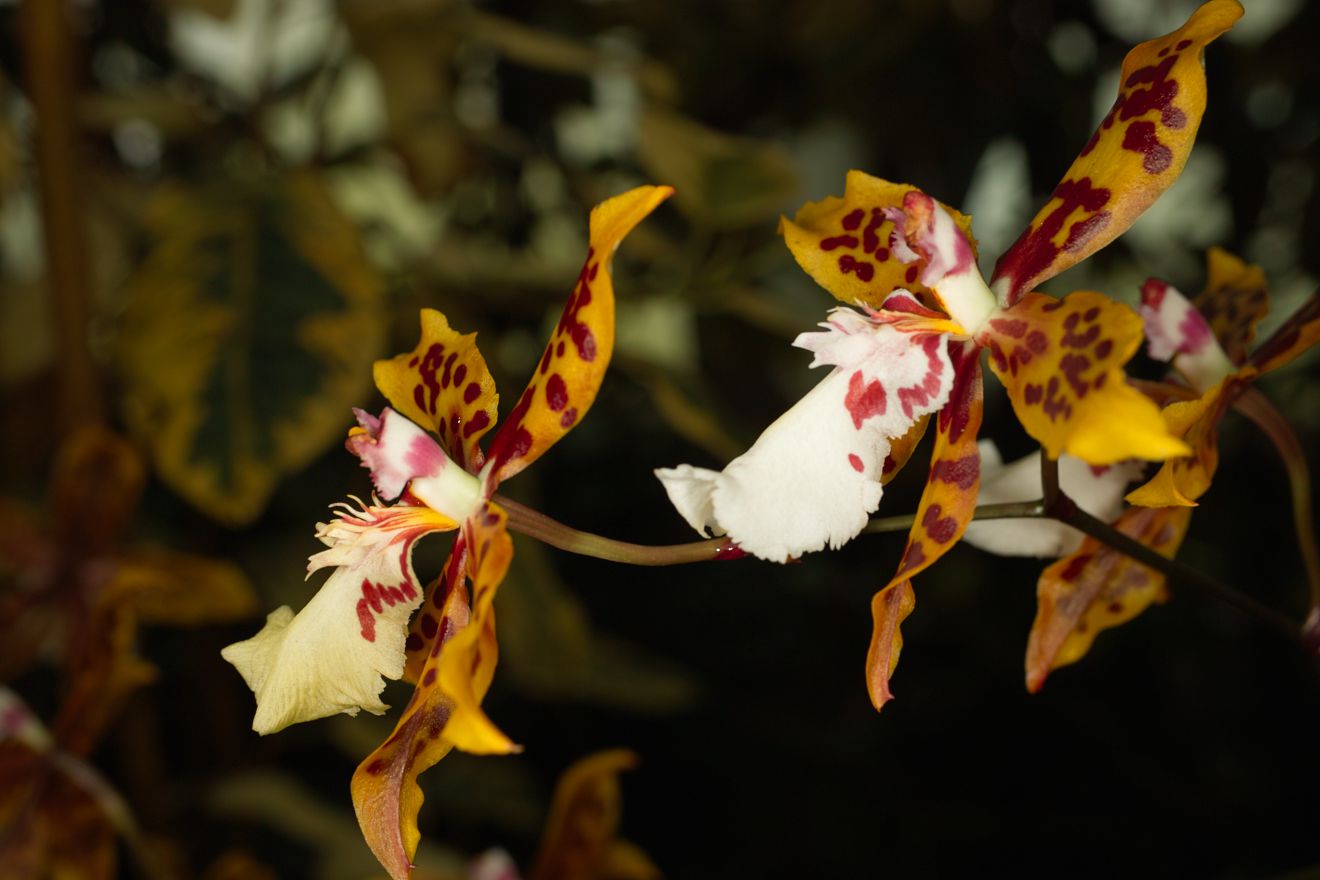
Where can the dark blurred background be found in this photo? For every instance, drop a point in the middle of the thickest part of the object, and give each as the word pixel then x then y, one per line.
pixel 253 199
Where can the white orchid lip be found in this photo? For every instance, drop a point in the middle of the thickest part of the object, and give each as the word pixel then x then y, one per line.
pixel 1097 490
pixel 402 457
pixel 812 478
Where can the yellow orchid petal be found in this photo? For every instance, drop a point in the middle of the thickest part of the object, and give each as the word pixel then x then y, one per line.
pixel 466 667
pixel 1234 300
pixel 1135 155
pixel 443 384
pixel 445 711
pixel 334 655
pixel 570 371
pixel 947 505
pixel 1097 588
pixel 844 243
pixel 901 449
pixel 1298 333
pixel 1062 363
pixel 1180 481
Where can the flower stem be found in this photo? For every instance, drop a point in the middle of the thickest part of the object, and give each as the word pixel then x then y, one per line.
pixel 1258 408
pixel 1059 506
pixel 534 524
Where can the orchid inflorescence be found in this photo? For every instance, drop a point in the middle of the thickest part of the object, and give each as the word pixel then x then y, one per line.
pixel 901 353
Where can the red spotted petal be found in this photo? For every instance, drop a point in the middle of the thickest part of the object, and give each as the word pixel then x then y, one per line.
pixel 1235 298
pixel 946 507
pixel 847 244
pixel 1097 588
pixel 570 372
pixel 1061 361
pixel 443 384
pixel 445 710
pixel 1135 155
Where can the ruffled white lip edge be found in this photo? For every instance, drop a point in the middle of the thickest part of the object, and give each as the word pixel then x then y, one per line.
pixel 1098 491
pixel 812 479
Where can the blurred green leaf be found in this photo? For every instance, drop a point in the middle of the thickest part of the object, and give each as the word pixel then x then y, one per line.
pixel 249 332
pixel 548 648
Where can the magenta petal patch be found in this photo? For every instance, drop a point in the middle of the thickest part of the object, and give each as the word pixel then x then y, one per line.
pixel 395 451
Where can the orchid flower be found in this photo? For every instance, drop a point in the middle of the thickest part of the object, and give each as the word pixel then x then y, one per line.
pixel 334 655
pixel 815 475
pixel 1208 340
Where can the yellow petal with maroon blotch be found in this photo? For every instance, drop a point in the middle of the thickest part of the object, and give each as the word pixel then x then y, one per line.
pixel 844 243
pixel 445 710
pixel 1097 588
pixel 1062 363
pixel 1235 298
pixel 1136 154
pixel 1180 481
pixel 947 506
pixel 443 384
pixel 573 365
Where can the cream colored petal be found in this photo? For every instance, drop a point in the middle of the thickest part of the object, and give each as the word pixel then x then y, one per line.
pixel 334 655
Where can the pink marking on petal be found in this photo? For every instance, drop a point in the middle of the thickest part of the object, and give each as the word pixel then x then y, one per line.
pixel 856 462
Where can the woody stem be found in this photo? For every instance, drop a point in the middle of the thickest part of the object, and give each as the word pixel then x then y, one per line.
pixel 1059 506
pixel 1258 408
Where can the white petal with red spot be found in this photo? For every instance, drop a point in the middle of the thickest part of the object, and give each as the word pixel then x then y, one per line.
pixel 399 453
pixel 1176 330
pixel 1098 491
pixel 813 477
pixel 334 655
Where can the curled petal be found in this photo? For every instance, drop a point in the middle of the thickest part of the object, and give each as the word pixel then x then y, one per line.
pixel 847 244
pixel 1097 490
pixel 1176 331
pixel 947 506
pixel 889 608
pixel 335 654
pixel 813 477
pixel 1062 364
pixel 573 365
pixel 1097 588
pixel 445 711
pixel 1136 154
pixel 1182 480
pixel 1234 300
pixel 443 384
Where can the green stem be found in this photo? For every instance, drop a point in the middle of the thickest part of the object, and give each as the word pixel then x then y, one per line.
pixel 534 524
